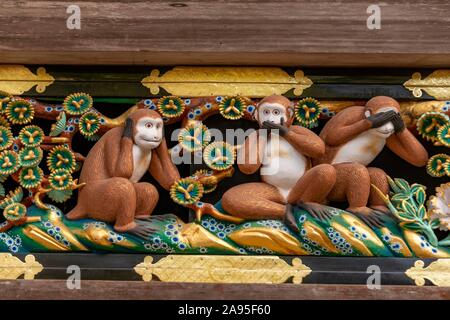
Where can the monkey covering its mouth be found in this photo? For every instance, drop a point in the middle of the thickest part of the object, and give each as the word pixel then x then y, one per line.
pixel 283 157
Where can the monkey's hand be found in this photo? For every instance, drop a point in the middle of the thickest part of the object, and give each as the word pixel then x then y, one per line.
pixel 381 118
pixel 399 124
pixel 270 126
pixel 128 129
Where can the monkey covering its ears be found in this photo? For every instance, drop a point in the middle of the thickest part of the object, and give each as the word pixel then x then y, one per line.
pixel 353 138
pixel 284 159
pixel 112 171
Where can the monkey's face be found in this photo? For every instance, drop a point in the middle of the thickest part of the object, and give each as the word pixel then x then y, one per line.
pixel 386 129
pixel 148 133
pixel 272 112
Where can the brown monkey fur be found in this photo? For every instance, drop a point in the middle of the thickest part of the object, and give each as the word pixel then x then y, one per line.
pixel 109 195
pixel 261 200
pixel 354 179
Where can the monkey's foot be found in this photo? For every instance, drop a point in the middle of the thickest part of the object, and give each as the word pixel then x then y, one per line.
pixel 316 210
pixel 371 217
pixel 385 210
pixel 289 219
pixel 143 229
pixel 381 208
pixel 150 218
pixel 212 211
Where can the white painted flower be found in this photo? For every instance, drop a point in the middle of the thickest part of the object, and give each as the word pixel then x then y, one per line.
pixel 439 206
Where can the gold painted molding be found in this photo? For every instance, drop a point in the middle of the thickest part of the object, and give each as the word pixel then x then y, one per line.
pixel 437 84
pixel 17 79
pixel 12 267
pixel 226 81
pixel 438 272
pixel 222 269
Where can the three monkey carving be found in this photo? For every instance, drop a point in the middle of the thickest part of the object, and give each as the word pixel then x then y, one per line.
pixel 296 166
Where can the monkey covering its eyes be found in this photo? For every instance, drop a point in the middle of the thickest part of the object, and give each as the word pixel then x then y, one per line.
pixel 112 171
pixel 283 155
pixel 353 139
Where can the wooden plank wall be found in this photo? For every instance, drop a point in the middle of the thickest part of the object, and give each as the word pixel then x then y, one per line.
pixel 139 290
pixel 233 32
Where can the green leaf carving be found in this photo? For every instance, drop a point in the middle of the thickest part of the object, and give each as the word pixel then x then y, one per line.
pixel 402 184
pixel 408 208
pixel 421 212
pixel 420 196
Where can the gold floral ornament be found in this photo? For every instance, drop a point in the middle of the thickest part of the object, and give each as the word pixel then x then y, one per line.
pixel 437 84
pixel 443 135
pixel 439 206
pixel 14 196
pixel 4 99
pixel 78 103
pixel 226 81
pixel 429 124
pixel 19 111
pixel 9 162
pixel 194 137
pixel 89 124
pixel 232 108
pixel 31 136
pixel 186 191
pixel 4 122
pixel 30 177
pixel 12 267
pixel 437 164
pixel 6 138
pixel 307 112
pixel 219 155
pixel 223 269
pixel 61 158
pixel 60 179
pixel 170 107
pixel 14 211
pixel 30 156
pixel 17 79
pixel 438 272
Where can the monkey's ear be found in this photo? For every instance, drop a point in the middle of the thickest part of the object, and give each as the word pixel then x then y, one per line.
pixel 255 114
pixel 367 113
pixel 290 112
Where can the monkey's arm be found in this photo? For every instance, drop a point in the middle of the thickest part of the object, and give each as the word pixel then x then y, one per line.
pixel 346 125
pixel 305 141
pixel 119 155
pixel 407 147
pixel 250 155
pixel 162 167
